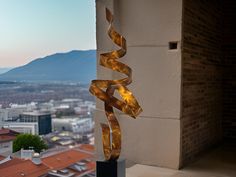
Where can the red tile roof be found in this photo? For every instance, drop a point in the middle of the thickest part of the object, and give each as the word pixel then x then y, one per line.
pixel 91 166
pixel 2 157
pixel 7 135
pixel 4 131
pixel 64 159
pixel 18 167
pixel 25 169
pixel 87 147
pixel 10 163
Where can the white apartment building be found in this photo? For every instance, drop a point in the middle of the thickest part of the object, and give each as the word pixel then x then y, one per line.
pixel 75 125
pixel 23 127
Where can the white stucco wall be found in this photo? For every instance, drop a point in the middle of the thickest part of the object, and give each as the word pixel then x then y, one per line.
pixel 148 26
pixel 6 148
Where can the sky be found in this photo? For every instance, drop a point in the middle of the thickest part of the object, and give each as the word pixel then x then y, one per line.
pixel 31 29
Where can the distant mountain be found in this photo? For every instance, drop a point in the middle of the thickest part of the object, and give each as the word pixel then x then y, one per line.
pixel 74 66
pixel 4 70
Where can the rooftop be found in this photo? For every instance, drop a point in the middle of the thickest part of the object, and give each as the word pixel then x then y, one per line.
pixel 64 159
pixel 6 131
pixel 10 163
pixel 1 157
pixel 7 135
pixel 87 147
pixel 24 168
pixel 36 113
pixel 77 161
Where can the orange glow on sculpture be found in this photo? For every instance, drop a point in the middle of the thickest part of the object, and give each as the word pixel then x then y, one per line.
pixel 105 89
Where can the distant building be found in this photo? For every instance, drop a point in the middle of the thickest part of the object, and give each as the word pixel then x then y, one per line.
pixel 44 121
pixel 10 114
pixel 48 106
pixel 85 108
pixel 67 103
pixel 72 102
pixel 27 107
pixel 13 112
pixel 22 127
pixel 6 141
pixel 75 125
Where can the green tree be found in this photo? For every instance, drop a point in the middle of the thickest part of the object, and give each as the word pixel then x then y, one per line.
pixel 27 141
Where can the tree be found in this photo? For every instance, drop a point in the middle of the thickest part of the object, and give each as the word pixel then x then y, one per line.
pixel 27 141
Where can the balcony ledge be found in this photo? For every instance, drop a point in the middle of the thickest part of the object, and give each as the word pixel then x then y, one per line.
pixel 220 162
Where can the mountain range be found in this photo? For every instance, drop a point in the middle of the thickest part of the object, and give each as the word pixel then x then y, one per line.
pixel 74 66
pixel 4 70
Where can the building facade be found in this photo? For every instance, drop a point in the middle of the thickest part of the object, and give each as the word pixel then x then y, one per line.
pixel 76 125
pixel 183 58
pixel 44 121
pixel 6 141
pixel 23 127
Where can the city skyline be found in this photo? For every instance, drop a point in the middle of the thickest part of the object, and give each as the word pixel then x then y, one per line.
pixel 35 29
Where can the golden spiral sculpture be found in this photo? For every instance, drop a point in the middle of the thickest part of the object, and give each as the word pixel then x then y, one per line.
pixel 105 89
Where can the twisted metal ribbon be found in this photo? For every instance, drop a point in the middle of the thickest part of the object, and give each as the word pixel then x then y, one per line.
pixel 105 89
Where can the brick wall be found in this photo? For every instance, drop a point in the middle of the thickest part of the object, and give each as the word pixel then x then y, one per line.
pixel 229 81
pixel 201 77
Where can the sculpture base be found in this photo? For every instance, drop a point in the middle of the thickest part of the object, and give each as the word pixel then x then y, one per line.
pixel 111 168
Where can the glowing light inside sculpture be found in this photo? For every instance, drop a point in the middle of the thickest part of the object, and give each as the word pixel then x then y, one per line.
pixel 105 89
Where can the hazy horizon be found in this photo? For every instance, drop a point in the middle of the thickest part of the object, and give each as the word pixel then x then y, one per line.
pixel 35 29
pixel 6 69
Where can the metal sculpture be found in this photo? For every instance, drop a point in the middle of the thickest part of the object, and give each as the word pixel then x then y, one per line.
pixel 105 89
